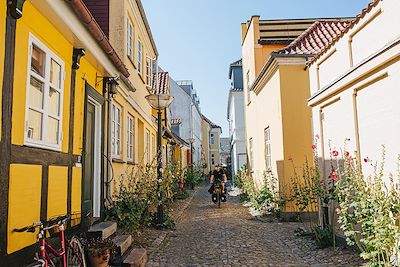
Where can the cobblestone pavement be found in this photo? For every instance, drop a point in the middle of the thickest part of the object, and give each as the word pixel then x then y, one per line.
pixel 230 236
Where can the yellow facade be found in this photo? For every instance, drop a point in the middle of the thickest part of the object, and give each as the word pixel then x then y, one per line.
pixel 24 203
pixel 25 181
pixel 57 195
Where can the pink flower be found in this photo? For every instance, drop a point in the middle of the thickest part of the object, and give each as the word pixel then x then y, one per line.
pixel 290 158
pixel 314 146
pixel 366 159
pixel 317 136
pixel 322 182
pixel 338 211
pixel 335 153
pixel 346 154
pixel 334 176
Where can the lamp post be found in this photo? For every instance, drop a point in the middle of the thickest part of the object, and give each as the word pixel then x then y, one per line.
pixel 191 141
pixel 159 102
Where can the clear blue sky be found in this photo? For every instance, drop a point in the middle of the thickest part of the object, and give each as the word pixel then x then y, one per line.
pixel 198 39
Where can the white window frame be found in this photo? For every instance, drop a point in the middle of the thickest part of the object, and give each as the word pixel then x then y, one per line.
pixel 251 153
pixel 248 87
pixel 114 125
pixel 140 57
pixel 149 71
pixel 130 137
pixel 147 145
pixel 46 81
pixel 212 139
pixel 130 39
pixel 267 151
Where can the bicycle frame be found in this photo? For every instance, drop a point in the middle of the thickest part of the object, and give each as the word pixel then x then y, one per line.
pixel 46 249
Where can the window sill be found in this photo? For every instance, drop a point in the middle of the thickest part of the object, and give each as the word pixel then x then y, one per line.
pixel 42 146
pixel 130 163
pixel 118 160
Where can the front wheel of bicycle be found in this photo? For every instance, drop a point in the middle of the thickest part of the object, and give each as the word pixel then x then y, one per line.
pixel 75 254
pixel 36 264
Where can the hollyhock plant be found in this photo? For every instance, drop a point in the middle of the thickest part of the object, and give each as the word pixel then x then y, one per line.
pixel 335 153
pixel 334 175
pixel 314 146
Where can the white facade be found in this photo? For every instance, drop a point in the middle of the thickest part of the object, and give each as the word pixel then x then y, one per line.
pixel 236 130
pixel 355 90
pixel 186 108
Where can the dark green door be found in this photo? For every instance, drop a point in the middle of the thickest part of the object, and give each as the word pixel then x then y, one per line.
pixel 88 179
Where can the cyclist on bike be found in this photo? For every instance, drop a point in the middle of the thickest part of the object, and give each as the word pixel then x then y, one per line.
pixel 218 176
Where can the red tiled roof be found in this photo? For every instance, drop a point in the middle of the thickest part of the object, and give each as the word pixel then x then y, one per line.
pixel 364 12
pixel 163 83
pixel 315 38
pixel 176 121
pixel 213 125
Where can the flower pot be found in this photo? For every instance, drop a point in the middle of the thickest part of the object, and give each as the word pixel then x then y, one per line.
pixel 99 261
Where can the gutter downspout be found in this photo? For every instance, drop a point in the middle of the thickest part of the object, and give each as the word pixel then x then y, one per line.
pixel 109 156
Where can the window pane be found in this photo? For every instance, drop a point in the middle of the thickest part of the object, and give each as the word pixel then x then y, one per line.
pixel 55 74
pixel 35 121
pixel 54 102
pixel 52 135
pixel 38 60
pixel 36 94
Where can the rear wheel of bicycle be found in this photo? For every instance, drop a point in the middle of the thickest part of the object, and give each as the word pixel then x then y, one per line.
pixel 219 197
pixel 75 254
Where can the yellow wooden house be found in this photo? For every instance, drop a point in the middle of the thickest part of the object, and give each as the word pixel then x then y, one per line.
pixel 57 78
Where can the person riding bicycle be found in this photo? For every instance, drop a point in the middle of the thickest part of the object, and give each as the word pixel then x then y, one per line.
pixel 218 176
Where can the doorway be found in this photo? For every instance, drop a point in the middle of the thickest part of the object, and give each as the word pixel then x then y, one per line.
pixel 92 156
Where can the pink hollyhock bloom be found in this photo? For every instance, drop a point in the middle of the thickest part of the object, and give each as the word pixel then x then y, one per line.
pixel 322 182
pixel 335 153
pixel 334 176
pixel 290 158
pixel 346 154
pixel 366 160
pixel 317 136
pixel 338 211
pixel 314 146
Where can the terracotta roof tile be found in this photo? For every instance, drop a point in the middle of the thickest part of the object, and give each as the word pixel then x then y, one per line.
pixel 326 47
pixel 163 83
pixel 213 125
pixel 315 38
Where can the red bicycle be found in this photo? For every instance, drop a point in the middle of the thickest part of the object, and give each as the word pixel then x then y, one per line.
pixel 71 253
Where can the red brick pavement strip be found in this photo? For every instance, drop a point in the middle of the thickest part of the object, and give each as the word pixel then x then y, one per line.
pixel 230 236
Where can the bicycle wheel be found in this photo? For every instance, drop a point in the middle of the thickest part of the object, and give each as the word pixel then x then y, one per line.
pixel 36 264
pixel 219 197
pixel 75 253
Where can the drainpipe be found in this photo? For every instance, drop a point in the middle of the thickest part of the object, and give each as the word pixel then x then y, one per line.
pixel 109 159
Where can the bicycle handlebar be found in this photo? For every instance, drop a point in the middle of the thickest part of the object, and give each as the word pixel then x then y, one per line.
pixel 47 225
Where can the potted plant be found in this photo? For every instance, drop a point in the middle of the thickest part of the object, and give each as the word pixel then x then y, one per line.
pixel 100 251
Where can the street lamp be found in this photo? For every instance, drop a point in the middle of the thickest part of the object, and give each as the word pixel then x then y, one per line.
pixel 159 102
pixel 191 141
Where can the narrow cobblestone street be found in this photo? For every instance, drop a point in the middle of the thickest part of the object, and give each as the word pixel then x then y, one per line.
pixel 230 236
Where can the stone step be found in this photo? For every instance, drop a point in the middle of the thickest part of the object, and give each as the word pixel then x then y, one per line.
pixel 123 242
pixel 102 230
pixel 136 258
